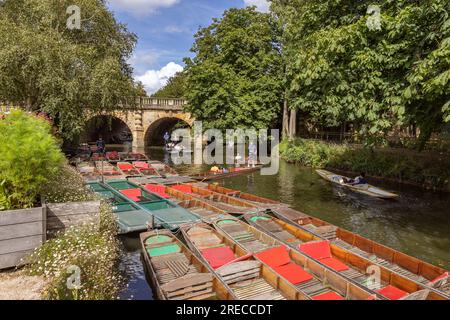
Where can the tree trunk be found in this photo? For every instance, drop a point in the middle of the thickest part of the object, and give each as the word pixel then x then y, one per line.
pixel 285 130
pixel 293 124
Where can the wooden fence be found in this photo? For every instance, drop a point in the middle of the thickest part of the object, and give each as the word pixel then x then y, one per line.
pixel 22 231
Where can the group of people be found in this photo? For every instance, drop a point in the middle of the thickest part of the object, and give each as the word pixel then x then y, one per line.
pixel 361 179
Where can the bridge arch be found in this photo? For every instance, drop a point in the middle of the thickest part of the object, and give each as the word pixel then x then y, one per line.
pixel 155 131
pixel 114 129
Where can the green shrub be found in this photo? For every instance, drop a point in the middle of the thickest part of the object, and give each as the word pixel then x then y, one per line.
pixel 30 156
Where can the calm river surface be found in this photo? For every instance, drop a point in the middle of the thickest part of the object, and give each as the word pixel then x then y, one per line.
pixel 417 224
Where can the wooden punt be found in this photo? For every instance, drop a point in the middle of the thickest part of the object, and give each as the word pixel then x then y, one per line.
pixel 129 217
pixel 366 189
pixel 221 201
pixel 128 169
pixel 248 278
pixel 132 156
pixel 168 213
pixel 162 168
pixel 209 176
pixel 348 264
pixel 307 275
pixel 400 263
pixel 206 211
pixel 175 273
pixel 145 169
pixel 108 170
pixel 87 170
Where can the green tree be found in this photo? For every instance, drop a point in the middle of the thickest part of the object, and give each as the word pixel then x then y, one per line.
pixel 175 87
pixel 344 71
pixel 30 158
pixel 64 71
pixel 234 80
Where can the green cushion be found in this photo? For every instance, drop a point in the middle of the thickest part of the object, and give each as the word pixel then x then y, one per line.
pixel 160 251
pixel 157 239
pixel 222 222
pixel 257 218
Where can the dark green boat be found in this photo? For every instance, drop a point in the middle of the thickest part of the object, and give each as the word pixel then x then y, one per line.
pixel 129 217
pixel 167 213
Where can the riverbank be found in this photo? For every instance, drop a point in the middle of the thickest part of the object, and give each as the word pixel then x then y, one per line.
pixel 426 170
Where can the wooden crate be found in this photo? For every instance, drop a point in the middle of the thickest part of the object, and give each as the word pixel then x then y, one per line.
pixel 21 231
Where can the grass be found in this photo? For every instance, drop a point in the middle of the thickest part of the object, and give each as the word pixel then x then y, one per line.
pixel 431 172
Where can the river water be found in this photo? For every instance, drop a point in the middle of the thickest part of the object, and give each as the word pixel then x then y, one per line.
pixel 417 224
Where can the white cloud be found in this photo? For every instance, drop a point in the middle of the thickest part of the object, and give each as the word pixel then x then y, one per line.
pixel 142 7
pixel 154 80
pixel 261 5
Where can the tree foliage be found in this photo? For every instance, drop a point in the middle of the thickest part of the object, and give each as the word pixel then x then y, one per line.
pixel 341 70
pixel 175 87
pixel 59 70
pixel 30 156
pixel 234 79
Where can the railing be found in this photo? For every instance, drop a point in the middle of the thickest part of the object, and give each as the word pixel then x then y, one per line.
pixel 174 104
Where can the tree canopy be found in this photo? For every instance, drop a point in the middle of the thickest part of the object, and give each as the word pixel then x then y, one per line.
pixel 175 87
pixel 234 79
pixel 59 70
pixel 342 70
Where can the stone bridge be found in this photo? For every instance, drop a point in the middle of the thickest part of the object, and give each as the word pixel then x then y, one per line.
pixel 146 122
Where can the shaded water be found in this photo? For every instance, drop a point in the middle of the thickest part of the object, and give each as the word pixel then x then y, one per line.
pixel 417 224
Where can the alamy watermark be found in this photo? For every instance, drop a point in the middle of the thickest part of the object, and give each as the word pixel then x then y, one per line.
pixel 74 20
pixel 73 282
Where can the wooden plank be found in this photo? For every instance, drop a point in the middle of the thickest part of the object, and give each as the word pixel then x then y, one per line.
pixel 20 244
pixel 20 230
pixel 20 216
pixel 73 208
pixel 187 281
pixel 238 267
pixel 13 259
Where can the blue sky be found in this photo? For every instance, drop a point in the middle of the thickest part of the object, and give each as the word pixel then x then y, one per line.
pixel 166 29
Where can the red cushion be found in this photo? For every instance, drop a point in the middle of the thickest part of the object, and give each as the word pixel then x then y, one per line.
pixel 316 249
pixel 133 194
pixel 141 165
pixel 328 296
pixel 158 189
pixel 217 257
pixel 274 257
pixel 392 292
pixel 445 275
pixel 125 166
pixel 293 273
pixel 183 188
pixel 334 264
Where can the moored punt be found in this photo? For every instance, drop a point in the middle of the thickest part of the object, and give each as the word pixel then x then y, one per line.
pixel 129 217
pixel 249 279
pixel 132 156
pixel 206 211
pixel 412 268
pixel 223 202
pixel 87 170
pixel 356 268
pixel 366 189
pixel 176 273
pixel 145 169
pixel 166 180
pixel 162 168
pixel 128 169
pixel 107 170
pixel 415 269
pixel 232 172
pixel 307 275
pixel 242 196
pixel 167 212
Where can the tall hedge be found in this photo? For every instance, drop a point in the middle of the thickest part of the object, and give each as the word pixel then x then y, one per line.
pixel 29 157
